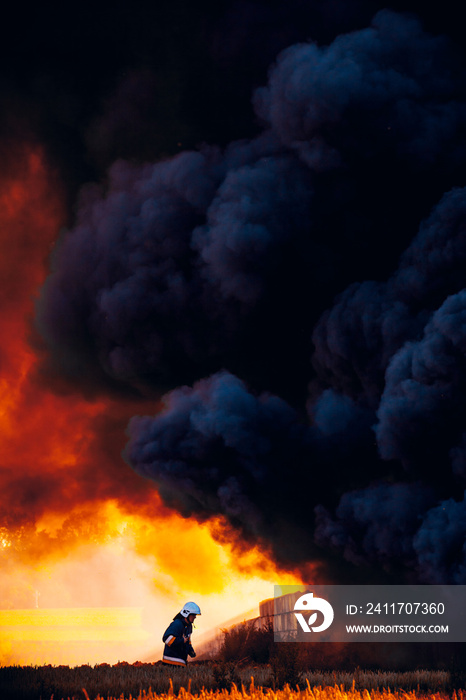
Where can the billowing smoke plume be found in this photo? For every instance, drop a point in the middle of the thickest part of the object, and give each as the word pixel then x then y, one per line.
pixel 323 416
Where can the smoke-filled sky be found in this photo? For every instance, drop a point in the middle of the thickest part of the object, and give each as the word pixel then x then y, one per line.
pixel 234 252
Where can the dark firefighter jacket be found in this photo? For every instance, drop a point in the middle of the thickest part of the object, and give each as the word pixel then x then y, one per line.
pixel 176 650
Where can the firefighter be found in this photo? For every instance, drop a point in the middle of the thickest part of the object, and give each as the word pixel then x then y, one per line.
pixel 177 636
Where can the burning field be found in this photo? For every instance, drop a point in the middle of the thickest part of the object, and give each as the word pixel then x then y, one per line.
pixel 140 681
pixel 233 303
pixel 328 693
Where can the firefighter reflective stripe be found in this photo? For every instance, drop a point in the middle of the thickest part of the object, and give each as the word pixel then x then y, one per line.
pixel 170 640
pixel 173 660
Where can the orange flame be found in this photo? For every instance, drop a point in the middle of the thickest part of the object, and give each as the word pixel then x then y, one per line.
pixel 78 527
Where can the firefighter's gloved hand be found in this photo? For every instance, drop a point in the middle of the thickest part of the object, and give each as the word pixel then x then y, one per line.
pixel 191 652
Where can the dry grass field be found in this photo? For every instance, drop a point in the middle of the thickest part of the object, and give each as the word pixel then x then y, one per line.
pixel 218 681
pixel 309 693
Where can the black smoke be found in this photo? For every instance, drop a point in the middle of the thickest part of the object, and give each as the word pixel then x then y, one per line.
pixel 322 415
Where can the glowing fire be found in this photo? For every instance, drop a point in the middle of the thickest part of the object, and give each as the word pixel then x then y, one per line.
pixel 78 527
pixel 4 541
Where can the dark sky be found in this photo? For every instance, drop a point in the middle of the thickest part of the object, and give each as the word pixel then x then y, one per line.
pixel 112 80
pixel 274 240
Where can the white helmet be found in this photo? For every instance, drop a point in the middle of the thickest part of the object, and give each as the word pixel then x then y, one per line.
pixel 190 609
